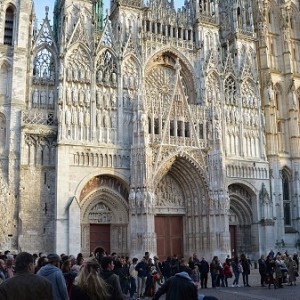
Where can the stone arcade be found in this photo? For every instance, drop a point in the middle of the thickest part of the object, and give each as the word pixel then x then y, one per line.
pixel 153 129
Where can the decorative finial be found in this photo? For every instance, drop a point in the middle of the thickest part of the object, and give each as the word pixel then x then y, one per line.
pixel 47 10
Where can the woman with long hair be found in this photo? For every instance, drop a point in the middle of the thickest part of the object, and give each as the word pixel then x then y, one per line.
pixel 89 285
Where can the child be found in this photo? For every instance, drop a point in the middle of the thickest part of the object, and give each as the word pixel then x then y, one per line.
pixel 196 276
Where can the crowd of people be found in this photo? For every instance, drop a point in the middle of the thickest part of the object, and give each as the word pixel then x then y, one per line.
pixel 114 277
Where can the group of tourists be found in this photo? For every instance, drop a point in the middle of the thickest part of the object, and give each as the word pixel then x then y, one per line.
pixel 278 269
pixel 62 277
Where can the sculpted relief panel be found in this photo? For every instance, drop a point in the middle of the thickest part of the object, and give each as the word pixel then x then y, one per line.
pixel 169 193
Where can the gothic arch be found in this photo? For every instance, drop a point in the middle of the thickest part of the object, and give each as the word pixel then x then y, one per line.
pixel 188 164
pixel 80 46
pixel 187 69
pixel 243 217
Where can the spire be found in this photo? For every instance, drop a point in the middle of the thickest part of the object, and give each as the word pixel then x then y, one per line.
pixel 98 14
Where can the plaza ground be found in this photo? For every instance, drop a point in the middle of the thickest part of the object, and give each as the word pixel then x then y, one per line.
pixel 255 292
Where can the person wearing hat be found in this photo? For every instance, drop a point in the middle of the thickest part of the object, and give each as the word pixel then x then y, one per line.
pixel 24 284
pixel 52 272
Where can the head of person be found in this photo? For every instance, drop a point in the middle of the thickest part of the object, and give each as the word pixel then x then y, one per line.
pixel 66 264
pixel 90 281
pixel 24 263
pixel 2 264
pixel 53 259
pixel 134 260
pixel 107 263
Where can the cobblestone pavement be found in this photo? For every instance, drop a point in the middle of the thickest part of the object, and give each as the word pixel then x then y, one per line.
pixel 255 292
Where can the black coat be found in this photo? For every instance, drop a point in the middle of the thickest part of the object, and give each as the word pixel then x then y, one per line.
pixel 178 287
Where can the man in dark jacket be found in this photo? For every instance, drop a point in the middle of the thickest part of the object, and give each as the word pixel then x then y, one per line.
pixel 178 287
pixel 204 270
pixel 51 272
pixel 25 284
pixel 142 269
pixel 111 278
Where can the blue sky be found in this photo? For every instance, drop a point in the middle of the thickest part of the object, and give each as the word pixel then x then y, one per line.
pixel 40 7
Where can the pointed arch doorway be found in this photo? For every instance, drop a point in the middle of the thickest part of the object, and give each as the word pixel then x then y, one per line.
pixel 243 233
pixel 181 221
pixel 104 215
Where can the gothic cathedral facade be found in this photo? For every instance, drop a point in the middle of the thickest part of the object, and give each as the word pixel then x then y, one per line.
pixel 153 129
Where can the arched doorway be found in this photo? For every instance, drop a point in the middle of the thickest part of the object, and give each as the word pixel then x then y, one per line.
pixel 104 215
pixel 241 215
pixel 181 211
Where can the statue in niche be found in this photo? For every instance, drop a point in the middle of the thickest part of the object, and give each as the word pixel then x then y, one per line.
pixel 88 97
pixel 60 115
pixel 106 119
pixel 51 99
pixel 99 76
pixel 113 100
pixel 113 121
pixel 106 77
pixel 35 98
pixel 69 74
pixel 131 199
pixel 98 98
pixel 75 74
pixel 145 196
pixel 81 97
pixel 43 98
pixel 80 118
pixel 114 78
pixel 143 122
pixel 139 198
pixel 125 81
pixel 87 118
pixel 74 116
pixel 82 75
pixel 68 117
pixel 98 118
pixel 75 96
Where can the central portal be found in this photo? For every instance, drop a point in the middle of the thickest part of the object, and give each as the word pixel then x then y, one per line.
pixel 169 235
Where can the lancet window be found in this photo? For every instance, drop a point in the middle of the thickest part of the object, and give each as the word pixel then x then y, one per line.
pixel 286 198
pixel 9 26
pixel 43 92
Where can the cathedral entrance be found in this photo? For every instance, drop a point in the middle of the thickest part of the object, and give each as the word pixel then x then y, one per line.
pixel 232 232
pixel 104 215
pixel 100 237
pixel 241 214
pixel 169 235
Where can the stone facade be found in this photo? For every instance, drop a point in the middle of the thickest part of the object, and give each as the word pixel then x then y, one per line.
pixel 154 113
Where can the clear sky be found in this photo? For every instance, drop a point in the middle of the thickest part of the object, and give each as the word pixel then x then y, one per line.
pixel 40 7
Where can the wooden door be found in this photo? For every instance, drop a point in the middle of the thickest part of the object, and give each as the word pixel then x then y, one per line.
pixel 169 234
pixel 232 231
pixel 100 237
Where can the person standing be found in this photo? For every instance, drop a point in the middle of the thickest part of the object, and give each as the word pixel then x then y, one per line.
pixel 52 272
pixel 133 277
pixel 180 286
pixel 214 271
pixel 25 284
pixel 111 278
pixel 246 270
pixel 89 285
pixel 262 268
pixel 204 270
pixel 142 269
pixel 237 269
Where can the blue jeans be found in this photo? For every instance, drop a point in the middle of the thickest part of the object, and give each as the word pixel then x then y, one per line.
pixel 132 286
pixel 236 277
